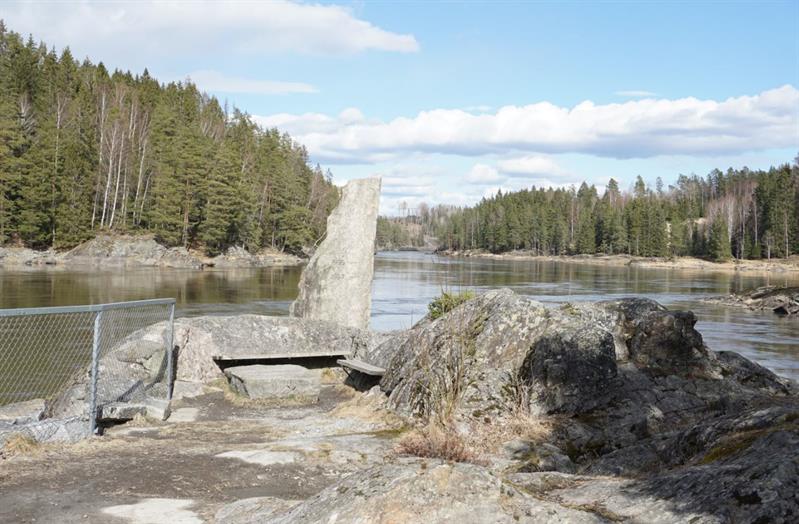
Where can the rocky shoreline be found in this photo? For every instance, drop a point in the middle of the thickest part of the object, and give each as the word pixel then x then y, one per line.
pixel 115 251
pixel 686 263
pixel 780 300
pixel 501 410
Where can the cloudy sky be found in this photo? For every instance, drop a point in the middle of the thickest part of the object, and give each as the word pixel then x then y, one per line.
pixel 451 101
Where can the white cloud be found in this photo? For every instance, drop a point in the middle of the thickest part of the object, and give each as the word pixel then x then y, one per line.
pixel 481 174
pixel 636 93
pixel 133 34
pixel 527 166
pixel 633 129
pixel 215 81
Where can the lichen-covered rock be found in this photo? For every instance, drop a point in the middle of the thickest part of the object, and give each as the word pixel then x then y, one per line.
pixel 430 492
pixel 336 285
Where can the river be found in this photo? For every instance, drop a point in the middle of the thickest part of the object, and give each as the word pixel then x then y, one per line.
pixel 405 282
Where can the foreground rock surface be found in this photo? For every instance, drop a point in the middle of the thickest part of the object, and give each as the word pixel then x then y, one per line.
pixel 780 300
pixel 283 382
pixel 607 412
pixel 336 285
pixel 627 389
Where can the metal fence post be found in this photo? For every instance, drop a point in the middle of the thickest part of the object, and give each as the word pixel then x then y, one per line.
pixel 170 363
pixel 95 370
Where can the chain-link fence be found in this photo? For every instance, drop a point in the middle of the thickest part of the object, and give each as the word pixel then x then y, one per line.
pixel 64 370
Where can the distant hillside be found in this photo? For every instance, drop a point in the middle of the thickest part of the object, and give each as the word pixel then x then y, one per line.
pixel 84 150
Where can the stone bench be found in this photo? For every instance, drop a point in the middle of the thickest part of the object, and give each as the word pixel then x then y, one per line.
pixel 361 367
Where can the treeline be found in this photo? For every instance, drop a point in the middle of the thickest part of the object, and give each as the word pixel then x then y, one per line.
pixel 83 150
pixel 740 213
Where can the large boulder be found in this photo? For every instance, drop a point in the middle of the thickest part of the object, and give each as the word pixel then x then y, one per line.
pixel 627 373
pixel 336 285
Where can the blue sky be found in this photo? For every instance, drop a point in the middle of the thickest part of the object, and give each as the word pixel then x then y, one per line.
pixel 450 101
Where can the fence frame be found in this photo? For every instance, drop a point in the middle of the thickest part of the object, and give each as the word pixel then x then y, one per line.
pixel 98 309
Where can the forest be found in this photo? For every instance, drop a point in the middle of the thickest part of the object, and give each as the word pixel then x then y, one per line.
pixel 738 213
pixel 84 150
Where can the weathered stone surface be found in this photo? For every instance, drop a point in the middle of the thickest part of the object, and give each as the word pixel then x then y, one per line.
pixel 201 339
pixel 427 492
pixel 336 285
pixel 23 412
pixel 275 382
pixel 706 435
pixel 20 256
pixel 780 300
pixel 257 509
pixel 109 250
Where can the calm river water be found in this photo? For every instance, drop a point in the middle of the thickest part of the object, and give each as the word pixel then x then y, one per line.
pixel 405 282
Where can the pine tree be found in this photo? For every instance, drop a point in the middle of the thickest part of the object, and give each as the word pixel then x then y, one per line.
pixel 718 243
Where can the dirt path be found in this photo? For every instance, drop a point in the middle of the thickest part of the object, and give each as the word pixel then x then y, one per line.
pixel 185 471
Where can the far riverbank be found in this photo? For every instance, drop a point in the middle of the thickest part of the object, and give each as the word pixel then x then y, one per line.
pixel 774 265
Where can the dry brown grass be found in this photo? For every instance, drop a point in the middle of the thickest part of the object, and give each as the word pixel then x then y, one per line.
pixel 435 441
pixel 20 444
pixel 367 407
pixel 476 443
pixel 245 402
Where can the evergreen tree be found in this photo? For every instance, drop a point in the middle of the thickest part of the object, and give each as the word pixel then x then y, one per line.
pixel 718 243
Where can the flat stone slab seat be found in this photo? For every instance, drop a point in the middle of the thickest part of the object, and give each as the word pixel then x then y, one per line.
pixel 362 367
pixel 282 382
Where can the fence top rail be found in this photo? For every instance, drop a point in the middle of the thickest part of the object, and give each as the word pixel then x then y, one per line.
pixel 90 308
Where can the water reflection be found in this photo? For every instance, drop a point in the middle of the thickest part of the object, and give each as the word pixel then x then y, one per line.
pixel 405 282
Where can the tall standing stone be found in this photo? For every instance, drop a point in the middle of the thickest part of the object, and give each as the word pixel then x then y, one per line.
pixel 336 285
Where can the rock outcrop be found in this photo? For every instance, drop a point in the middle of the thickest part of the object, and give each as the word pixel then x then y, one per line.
pixel 627 388
pixel 336 285
pixel 200 341
pixel 780 300
pixel 118 251
pixel 110 251
pixel 428 491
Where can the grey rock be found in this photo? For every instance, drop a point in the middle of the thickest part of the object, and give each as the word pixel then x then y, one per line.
pixel 200 340
pixel 336 285
pixel 429 492
pixel 704 435
pixel 284 382
pixel 257 509
pixel 780 300
pixel 20 256
pixel 110 251
pixel 23 412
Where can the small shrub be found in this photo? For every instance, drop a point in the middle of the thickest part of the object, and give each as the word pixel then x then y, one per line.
pixel 437 442
pixel 447 302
